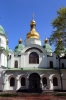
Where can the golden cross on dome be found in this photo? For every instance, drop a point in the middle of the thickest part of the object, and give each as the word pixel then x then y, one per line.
pixel 33 16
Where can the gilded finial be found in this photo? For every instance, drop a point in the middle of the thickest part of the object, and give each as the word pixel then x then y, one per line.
pixel 46 39
pixel 33 33
pixel 20 40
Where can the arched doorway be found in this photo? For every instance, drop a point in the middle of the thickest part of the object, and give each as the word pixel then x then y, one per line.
pixel 34 82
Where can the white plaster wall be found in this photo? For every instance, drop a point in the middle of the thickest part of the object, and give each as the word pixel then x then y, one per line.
pixel 63 79
pixel 54 61
pixel 17 76
pixel 24 60
pixel 0 59
pixel 48 60
pixel 32 41
pixel 63 61
pixel 57 63
pixel 11 61
pixel 33 45
pixel 7 82
pixel 3 60
pixel 2 41
pixel 51 81
pixel 18 59
pixel 49 75
pixel 42 59
pixel 1 80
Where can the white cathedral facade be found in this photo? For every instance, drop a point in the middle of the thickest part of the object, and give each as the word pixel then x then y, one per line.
pixel 32 66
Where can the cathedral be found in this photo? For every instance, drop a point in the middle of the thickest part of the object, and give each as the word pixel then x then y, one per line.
pixel 32 66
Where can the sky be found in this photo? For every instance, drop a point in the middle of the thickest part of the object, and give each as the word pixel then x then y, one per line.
pixel 17 14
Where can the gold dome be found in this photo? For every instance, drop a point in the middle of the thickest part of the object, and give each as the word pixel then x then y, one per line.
pixel 20 41
pixel 32 33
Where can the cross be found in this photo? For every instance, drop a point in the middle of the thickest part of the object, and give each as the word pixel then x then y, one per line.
pixel 45 35
pixel 33 16
pixel 20 35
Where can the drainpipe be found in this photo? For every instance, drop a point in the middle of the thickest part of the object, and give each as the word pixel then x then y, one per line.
pixel 60 75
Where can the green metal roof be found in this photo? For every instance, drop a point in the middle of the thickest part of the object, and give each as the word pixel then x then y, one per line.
pixel 31 69
pixel 1 30
pixel 19 48
pixel 47 47
pixel 8 49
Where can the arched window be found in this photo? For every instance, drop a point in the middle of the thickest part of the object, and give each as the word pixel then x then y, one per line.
pixel 62 65
pixel 33 58
pixel 16 64
pixel 44 81
pixel 51 64
pixel 55 81
pixel 23 81
pixel 12 81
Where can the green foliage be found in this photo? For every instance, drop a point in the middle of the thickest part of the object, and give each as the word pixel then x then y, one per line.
pixel 59 26
pixel 59 48
pixel 8 95
pixel 60 94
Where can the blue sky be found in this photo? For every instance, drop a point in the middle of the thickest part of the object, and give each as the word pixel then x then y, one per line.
pixel 17 14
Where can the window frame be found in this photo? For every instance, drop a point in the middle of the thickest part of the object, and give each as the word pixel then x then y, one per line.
pixel 33 58
pixel 51 64
pixel 44 81
pixel 55 81
pixel 16 64
pixel 24 84
pixel 12 82
pixel 62 65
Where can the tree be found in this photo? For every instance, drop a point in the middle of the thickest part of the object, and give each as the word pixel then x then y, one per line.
pixel 59 48
pixel 59 25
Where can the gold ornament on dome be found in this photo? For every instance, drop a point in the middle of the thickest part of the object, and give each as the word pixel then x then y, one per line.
pixel 33 33
pixel 20 41
pixel 46 41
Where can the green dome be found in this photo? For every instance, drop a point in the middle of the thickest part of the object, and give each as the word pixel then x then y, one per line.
pixel 62 50
pixel 1 30
pixel 19 48
pixel 47 47
pixel 8 49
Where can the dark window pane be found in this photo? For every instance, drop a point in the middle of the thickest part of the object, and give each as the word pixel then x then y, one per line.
pixel 23 81
pixel 55 81
pixel 62 65
pixel 44 80
pixel 12 82
pixel 16 64
pixel 51 64
pixel 33 58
